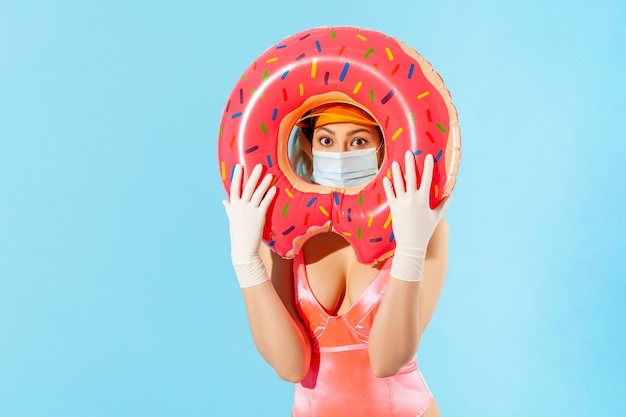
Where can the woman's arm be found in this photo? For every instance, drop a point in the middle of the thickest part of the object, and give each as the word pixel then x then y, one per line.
pixel 421 237
pixel 406 310
pixel 277 330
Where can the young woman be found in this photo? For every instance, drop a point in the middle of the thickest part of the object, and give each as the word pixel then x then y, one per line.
pixel 346 333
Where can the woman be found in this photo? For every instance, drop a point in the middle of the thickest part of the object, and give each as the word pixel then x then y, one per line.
pixel 346 333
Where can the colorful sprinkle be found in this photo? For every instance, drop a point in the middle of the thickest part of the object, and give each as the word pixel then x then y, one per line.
pixel 424 94
pixel 304 37
pixel 443 129
pixel 387 221
pixel 347 234
pixel 282 77
pixel 412 118
pixel 436 190
pixel 314 68
pixel 389 54
pixel 323 210
pixel 311 201
pixel 336 197
pixel 417 152
pixel 241 96
pixel 306 218
pixel 360 202
pixel 388 96
pixel 301 89
pixel 349 214
pixel 269 161
pixel 357 87
pixel 372 96
pixel 318 46
pixel 438 155
pixel 370 220
pixel 376 239
pixel 269 61
pixel 326 78
pixel 289 230
pixel 333 34
pixel 391 236
pixel 281 46
pixel 236 115
pixel 285 210
pixel 232 140
pixel 344 71
pixel 289 193
pixel 358 233
pixel 430 137
pixel 264 75
pixel 299 57
pixel 252 149
pixel 428 115
pixel 396 134
pixel 263 128
pixel 343 48
pixel 284 94
pixel 361 37
pixel 395 69
pixel 368 53
pixel 223 170
pixel 272 243
pixel 275 113
pixel 410 74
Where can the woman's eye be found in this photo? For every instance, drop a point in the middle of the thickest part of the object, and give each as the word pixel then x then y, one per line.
pixel 326 141
pixel 358 142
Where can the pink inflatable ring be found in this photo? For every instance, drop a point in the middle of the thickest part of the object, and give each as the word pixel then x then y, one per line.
pixel 368 69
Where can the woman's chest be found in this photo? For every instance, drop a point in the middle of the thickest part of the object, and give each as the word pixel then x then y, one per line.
pixel 338 280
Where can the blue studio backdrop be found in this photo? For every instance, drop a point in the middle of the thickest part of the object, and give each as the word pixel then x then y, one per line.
pixel 117 297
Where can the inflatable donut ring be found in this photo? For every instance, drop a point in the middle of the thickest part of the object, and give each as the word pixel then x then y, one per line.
pixel 368 69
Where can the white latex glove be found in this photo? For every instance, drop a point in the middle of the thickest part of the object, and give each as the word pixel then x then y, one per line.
pixel 413 220
pixel 246 213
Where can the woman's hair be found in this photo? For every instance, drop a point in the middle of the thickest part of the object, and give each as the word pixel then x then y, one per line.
pixel 301 154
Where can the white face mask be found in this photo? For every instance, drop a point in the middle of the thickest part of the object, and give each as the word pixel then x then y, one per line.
pixel 344 169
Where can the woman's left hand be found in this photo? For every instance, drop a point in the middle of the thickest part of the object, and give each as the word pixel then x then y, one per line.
pixel 412 218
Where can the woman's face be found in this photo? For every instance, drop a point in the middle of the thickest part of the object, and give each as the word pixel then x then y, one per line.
pixel 344 137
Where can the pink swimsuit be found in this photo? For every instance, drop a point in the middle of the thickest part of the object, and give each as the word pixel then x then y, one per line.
pixel 340 381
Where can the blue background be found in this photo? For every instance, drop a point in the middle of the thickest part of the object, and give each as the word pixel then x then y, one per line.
pixel 117 297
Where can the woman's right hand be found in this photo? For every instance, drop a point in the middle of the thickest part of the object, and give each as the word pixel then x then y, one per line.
pixel 246 213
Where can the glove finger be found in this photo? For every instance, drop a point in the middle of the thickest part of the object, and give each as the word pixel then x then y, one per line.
pixel 261 190
pixel 427 175
pixel 235 184
pixel 252 182
pixel 267 199
pixel 388 189
pixel 410 175
pixel 398 182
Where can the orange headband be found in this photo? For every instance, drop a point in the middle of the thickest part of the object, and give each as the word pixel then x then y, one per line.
pixel 337 113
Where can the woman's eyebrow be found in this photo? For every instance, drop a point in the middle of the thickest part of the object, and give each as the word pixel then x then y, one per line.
pixel 355 131
pixel 350 133
pixel 332 132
